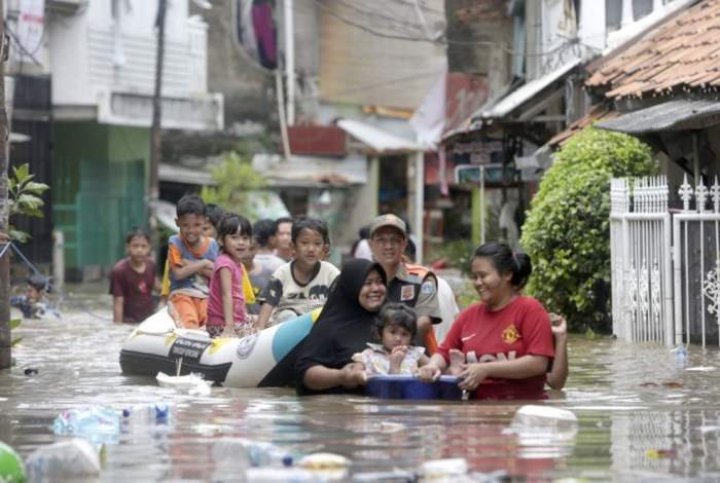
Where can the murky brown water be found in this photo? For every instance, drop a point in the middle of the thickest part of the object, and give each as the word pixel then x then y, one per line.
pixel 641 417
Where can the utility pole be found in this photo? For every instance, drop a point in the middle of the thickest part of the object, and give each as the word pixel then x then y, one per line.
pixel 155 130
pixel 5 338
pixel 290 59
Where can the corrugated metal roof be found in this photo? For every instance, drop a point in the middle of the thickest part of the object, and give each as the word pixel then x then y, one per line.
pixel 311 171
pixel 180 174
pixel 378 140
pixel 683 53
pixel 669 116
pixel 523 94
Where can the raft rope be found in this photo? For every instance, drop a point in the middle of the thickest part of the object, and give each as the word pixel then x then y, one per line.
pixel 35 270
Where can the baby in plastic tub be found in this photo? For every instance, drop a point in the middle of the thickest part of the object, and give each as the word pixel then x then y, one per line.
pixel 396 326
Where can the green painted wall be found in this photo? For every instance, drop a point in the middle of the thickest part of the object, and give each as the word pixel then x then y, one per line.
pixel 128 143
pixel 75 141
pixel 99 187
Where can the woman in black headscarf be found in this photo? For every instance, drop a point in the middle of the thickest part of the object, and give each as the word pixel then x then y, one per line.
pixel 344 327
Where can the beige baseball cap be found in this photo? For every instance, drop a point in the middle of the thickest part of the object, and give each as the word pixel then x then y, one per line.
pixel 388 220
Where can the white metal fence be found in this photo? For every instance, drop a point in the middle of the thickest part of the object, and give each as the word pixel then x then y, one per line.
pixel 665 262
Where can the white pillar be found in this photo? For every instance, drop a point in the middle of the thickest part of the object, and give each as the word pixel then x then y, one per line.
pixel 374 181
pixel 58 256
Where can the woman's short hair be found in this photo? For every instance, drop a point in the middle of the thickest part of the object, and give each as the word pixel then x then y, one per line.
pixel 506 261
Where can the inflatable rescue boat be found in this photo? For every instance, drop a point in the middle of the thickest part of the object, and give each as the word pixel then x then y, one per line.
pixel 259 360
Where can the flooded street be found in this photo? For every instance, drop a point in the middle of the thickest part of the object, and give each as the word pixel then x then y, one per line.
pixel 642 415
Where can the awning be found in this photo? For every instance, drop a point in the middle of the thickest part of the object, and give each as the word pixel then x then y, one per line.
pixel 263 204
pixel 378 140
pixel 310 171
pixel 523 94
pixel 180 174
pixel 678 115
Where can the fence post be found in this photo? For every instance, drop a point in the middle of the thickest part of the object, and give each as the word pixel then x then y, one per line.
pixel 58 257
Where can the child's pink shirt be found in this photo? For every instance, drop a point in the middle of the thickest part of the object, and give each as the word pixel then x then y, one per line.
pixel 215 301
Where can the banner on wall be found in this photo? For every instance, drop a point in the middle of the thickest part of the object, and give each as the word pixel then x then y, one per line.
pixel 30 27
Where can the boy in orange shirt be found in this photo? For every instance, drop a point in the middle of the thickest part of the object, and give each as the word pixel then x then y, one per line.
pixel 191 256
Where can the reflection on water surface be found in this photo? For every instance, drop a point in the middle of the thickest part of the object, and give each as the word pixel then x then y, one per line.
pixel 641 417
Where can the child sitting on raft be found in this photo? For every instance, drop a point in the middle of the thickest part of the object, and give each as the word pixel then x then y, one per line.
pixel 227 314
pixel 300 286
pixel 396 327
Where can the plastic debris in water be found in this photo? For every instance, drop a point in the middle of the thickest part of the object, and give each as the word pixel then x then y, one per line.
pixel 657 454
pixel 395 476
pixel 96 424
pixel 11 466
pixel 701 369
pixel 280 475
pixel 681 356
pixel 192 384
pixel 390 427
pixel 327 466
pixel 75 457
pixel 449 469
pixel 146 415
pixel 544 431
pixel 247 453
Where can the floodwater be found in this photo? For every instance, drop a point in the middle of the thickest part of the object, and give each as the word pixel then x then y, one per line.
pixel 642 416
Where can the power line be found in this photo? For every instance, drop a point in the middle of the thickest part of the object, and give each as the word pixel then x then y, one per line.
pixel 420 75
pixel 22 47
pixel 444 41
pixel 369 29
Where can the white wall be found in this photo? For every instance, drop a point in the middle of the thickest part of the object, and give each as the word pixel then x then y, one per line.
pixel 92 53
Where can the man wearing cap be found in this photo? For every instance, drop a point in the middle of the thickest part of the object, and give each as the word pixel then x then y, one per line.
pixel 413 285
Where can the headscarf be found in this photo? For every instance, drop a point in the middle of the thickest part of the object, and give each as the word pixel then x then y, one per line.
pixel 344 326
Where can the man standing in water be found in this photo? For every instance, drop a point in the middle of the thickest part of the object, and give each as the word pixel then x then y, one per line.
pixel 412 285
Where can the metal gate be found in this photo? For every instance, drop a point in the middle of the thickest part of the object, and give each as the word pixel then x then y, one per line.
pixel 665 263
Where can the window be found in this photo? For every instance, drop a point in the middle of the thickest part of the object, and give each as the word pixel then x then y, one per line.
pixel 613 14
pixel 642 8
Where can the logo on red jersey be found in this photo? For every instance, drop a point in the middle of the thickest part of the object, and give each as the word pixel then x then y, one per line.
pixel 510 335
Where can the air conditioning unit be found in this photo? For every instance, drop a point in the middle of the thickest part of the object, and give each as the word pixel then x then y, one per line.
pixel 66 7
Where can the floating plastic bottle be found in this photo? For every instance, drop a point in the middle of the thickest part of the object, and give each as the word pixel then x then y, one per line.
pixel 75 457
pixel 96 424
pixel 248 453
pixel 146 415
pixel 681 356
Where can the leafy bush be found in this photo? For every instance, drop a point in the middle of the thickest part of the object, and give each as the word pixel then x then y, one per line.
pixel 238 186
pixel 567 231
pixel 25 198
pixel 454 253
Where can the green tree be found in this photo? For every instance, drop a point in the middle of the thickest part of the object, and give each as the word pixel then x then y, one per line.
pixel 567 231
pixel 239 186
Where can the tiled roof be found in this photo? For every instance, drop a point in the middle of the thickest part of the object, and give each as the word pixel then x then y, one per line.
pixel 681 54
